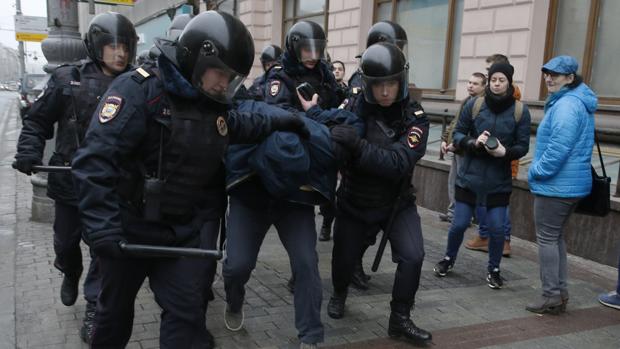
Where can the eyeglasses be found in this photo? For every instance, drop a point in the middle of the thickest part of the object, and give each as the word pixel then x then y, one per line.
pixel 551 75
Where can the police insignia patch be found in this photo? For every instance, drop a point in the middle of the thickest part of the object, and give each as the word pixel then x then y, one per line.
pixel 222 127
pixel 110 109
pixel 414 137
pixel 274 88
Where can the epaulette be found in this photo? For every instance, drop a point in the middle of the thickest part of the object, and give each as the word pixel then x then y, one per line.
pixel 140 75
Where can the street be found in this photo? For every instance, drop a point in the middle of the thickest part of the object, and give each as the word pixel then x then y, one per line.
pixel 460 310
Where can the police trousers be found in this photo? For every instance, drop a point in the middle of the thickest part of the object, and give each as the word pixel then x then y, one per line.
pixel 247 227
pixel 179 286
pixel 350 239
pixel 67 237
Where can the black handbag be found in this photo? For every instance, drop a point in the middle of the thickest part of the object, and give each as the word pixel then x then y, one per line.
pixel 598 202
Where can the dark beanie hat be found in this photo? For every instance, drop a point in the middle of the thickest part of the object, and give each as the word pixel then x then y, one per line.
pixel 504 68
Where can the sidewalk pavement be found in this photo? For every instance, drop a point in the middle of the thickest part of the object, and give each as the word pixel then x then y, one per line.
pixel 460 310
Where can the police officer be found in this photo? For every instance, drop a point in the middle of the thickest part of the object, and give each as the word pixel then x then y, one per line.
pixel 268 59
pixel 69 100
pixel 381 31
pixel 302 61
pixel 150 171
pixel 375 190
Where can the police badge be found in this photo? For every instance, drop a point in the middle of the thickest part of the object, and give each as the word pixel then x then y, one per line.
pixel 110 108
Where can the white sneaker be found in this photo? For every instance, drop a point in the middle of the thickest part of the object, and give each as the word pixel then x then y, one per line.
pixel 232 320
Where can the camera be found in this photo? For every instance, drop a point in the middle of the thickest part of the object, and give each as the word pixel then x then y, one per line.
pixel 306 91
pixel 492 143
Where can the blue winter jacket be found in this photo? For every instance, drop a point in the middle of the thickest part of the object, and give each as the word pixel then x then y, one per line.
pixel 564 141
pixel 287 166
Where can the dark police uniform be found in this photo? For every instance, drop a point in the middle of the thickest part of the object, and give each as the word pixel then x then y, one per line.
pixel 69 100
pixel 372 186
pixel 257 89
pixel 150 171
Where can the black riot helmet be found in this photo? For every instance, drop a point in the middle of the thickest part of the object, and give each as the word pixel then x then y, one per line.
pixel 390 32
pixel 218 41
pixel 178 24
pixel 307 36
pixel 110 28
pixel 270 54
pixel 383 65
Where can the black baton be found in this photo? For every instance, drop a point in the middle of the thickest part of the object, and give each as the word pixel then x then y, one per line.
pixel 54 169
pixel 151 251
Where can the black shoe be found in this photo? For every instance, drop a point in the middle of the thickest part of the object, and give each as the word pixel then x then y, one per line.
pixel 546 305
pixel 290 284
pixel 495 280
pixel 69 288
pixel 326 232
pixel 335 307
pixel 443 267
pixel 86 332
pixel 400 325
pixel 358 279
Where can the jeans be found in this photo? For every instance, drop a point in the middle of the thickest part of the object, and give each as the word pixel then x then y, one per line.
pixel 495 221
pixel 483 231
pixel 550 216
pixel 457 160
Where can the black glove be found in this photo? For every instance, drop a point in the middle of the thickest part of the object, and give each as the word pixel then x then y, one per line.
pixel 291 123
pixel 24 165
pixel 347 136
pixel 108 246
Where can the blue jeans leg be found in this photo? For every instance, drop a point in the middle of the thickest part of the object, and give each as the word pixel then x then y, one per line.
pixel 462 216
pixel 481 214
pixel 507 224
pixel 495 219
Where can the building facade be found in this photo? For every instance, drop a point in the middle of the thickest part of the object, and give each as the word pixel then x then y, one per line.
pixel 448 39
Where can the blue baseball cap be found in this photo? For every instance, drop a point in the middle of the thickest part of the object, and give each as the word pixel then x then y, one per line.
pixel 561 65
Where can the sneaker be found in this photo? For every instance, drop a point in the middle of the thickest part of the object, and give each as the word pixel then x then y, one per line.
pixel 494 279
pixel 478 244
pixel 443 267
pixel 507 250
pixel 611 299
pixel 233 320
pixel 546 305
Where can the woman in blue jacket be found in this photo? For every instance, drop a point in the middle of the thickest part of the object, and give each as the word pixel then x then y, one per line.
pixel 492 132
pixel 560 173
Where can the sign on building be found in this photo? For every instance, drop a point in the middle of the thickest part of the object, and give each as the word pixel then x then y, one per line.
pixel 115 2
pixel 30 28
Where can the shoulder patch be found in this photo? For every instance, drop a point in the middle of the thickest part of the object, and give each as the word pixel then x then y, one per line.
pixel 356 90
pixel 414 137
pixel 274 88
pixel 111 108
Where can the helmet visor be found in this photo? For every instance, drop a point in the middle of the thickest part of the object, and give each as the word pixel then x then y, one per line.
pixel 114 50
pixel 310 49
pixel 385 90
pixel 215 79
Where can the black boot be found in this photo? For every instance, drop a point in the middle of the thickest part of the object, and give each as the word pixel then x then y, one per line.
pixel 335 308
pixel 359 278
pixel 86 332
pixel 69 288
pixel 326 230
pixel 402 326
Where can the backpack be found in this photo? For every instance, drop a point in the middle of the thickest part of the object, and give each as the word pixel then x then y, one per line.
pixel 475 110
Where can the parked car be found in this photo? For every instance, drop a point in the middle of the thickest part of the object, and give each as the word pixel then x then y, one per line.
pixel 30 87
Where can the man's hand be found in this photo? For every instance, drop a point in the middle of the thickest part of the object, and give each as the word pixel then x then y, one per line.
pixel 24 165
pixel 498 152
pixel 291 123
pixel 308 104
pixel 108 246
pixel 347 136
pixel 445 147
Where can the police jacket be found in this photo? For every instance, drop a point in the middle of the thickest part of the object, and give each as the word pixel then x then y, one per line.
pixel 379 173
pixel 282 81
pixel 288 168
pixel 257 90
pixel 483 178
pixel 153 127
pixel 68 100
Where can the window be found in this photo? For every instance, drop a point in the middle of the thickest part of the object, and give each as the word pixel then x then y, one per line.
pixel 434 33
pixel 586 30
pixel 311 10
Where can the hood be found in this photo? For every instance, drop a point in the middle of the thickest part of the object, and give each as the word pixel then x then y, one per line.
pixel 581 92
pixel 173 81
